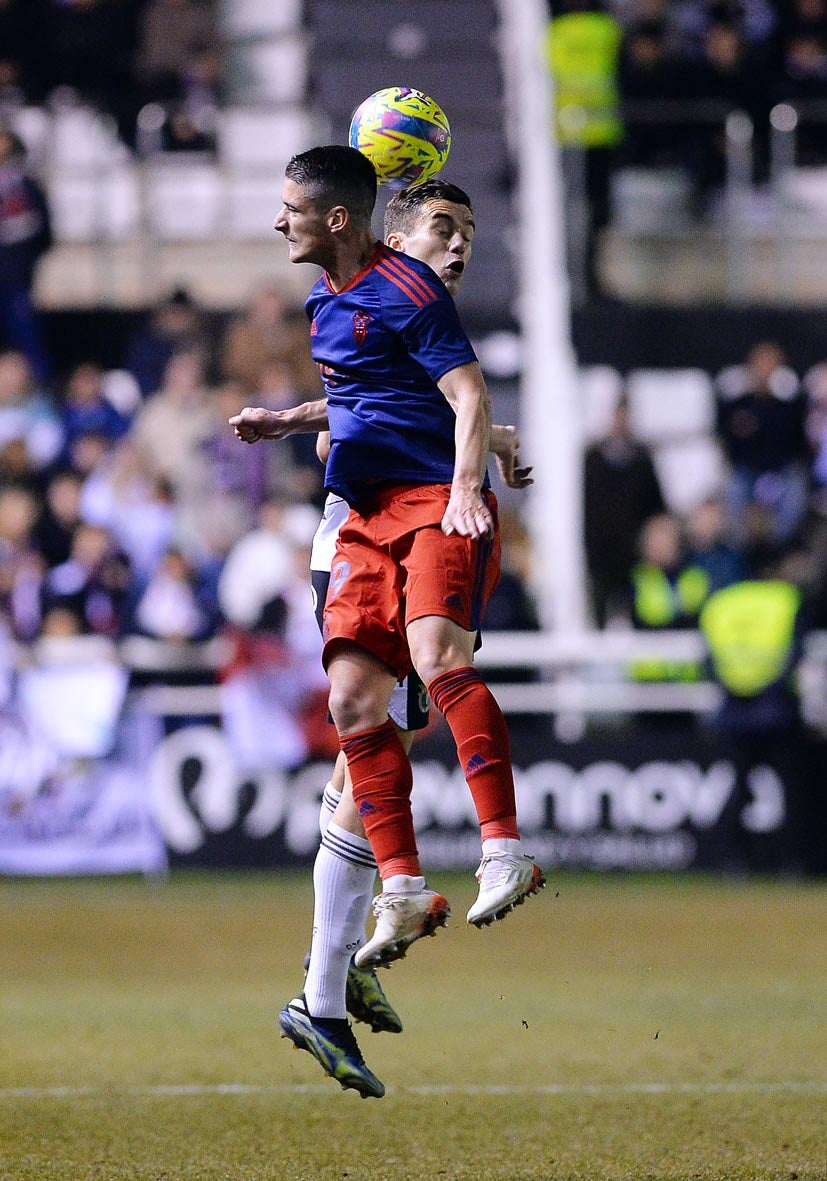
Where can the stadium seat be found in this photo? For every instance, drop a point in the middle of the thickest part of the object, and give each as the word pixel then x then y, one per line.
pixel 650 199
pixel 34 126
pixel 88 208
pixel 257 18
pixel 459 86
pixel 369 26
pixel 184 200
pixel 670 404
pixel 272 70
pixel 250 138
pixel 690 472
pixel 600 389
pixel 252 204
pixel 803 193
pixel 82 139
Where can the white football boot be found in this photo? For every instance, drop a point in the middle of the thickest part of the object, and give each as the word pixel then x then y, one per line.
pixel 506 880
pixel 401 919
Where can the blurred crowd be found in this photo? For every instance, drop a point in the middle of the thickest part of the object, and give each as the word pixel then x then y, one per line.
pixel 117 56
pixel 128 507
pixel 769 520
pixel 125 499
pixel 650 83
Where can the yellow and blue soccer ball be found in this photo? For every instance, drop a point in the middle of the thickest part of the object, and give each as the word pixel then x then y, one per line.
pixel 404 133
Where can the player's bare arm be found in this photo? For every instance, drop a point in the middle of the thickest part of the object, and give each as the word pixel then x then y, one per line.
pixel 255 422
pixel 465 390
pixel 505 444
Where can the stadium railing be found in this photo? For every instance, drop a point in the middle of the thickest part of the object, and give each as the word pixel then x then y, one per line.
pixel 577 674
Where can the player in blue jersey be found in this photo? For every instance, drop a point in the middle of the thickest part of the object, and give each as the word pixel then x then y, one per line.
pixel 417 556
pixel 433 222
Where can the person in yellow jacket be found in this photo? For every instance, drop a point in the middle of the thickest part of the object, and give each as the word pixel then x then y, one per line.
pixel 667 594
pixel 754 630
pixel 583 52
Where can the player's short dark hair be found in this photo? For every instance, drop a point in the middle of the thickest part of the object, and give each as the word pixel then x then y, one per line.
pixel 336 175
pixel 405 206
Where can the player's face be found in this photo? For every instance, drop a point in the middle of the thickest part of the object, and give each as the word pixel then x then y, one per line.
pixel 442 238
pixel 303 225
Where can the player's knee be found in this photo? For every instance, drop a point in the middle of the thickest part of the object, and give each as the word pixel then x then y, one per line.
pixel 354 708
pixel 432 660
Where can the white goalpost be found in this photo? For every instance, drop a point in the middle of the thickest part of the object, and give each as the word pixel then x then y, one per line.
pixel 551 425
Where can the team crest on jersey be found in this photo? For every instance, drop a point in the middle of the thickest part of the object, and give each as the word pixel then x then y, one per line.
pixel 360 327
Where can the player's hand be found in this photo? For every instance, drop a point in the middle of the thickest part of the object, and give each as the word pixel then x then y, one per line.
pixel 255 422
pixel 507 453
pixel 468 515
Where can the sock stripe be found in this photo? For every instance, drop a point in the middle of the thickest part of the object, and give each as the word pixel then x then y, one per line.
pixel 347 851
pixel 330 798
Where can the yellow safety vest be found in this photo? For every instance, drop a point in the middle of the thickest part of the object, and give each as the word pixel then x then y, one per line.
pixel 750 629
pixel 582 51
pixel 658 603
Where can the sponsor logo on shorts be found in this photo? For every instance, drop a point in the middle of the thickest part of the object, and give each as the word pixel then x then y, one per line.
pixel 454 600
pixel 338 576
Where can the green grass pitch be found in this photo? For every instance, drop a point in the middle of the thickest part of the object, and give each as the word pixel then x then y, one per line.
pixel 613 1029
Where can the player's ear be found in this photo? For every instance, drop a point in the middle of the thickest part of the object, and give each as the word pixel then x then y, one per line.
pixel 395 241
pixel 337 218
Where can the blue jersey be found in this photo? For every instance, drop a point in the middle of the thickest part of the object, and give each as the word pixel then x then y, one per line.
pixel 381 344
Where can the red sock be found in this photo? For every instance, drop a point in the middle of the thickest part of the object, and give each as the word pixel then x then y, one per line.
pixel 382 783
pixel 483 748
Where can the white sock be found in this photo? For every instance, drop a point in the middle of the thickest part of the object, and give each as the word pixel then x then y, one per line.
pixel 502 845
pixel 330 801
pixel 401 883
pixel 343 877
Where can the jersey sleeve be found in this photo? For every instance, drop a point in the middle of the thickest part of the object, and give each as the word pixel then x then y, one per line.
pixel 433 334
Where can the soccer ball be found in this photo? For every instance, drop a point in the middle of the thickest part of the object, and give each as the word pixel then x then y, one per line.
pixel 403 133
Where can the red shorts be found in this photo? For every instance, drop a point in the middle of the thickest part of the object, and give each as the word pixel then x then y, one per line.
pixel 394 565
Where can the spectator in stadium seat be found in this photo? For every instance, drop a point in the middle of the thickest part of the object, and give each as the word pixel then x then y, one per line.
pixel 762 415
pixel 87 452
pixel 172 425
pixel 755 631
pixel 803 80
pixel 59 517
pixel 88 49
pixel 512 606
pixel 136 506
pixel 26 412
pixel 803 18
pixel 182 132
pixel 21 55
pixel 86 410
pixel 301 474
pixel 651 74
pixel 93 583
pixel 174 605
pixel 171 32
pixel 259 567
pixel 264 334
pixel 21 566
pixel 583 49
pixel 708 547
pixel 815 384
pixel 736 77
pixel 621 492
pixel 174 324
pixel 668 593
pixel 25 236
